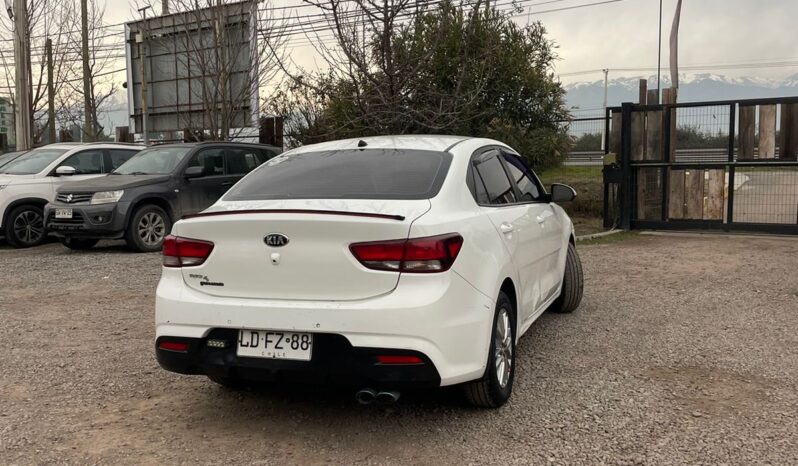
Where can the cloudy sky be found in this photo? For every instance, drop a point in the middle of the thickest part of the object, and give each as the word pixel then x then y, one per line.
pixel 747 37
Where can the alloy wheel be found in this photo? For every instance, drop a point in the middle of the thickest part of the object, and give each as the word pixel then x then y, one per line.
pixel 29 227
pixel 503 347
pixel 152 229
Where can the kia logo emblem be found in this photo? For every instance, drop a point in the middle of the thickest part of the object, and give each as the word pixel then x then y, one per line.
pixel 275 240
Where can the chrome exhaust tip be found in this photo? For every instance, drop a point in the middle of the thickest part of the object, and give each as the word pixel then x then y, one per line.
pixel 366 396
pixel 387 398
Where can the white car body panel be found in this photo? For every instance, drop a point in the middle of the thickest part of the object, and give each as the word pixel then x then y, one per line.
pixel 447 316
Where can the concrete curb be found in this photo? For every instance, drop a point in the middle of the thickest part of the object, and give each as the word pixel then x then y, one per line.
pixel 597 235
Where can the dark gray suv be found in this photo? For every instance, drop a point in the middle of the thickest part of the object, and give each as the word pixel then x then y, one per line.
pixel 140 200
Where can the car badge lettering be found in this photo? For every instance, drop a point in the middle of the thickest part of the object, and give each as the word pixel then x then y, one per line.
pixel 275 240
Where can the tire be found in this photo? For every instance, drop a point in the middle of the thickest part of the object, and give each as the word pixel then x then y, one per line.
pixel 490 391
pixel 79 244
pixel 139 236
pixel 25 226
pixel 230 382
pixel 573 284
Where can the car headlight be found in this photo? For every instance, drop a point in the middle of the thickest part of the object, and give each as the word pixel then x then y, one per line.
pixel 106 197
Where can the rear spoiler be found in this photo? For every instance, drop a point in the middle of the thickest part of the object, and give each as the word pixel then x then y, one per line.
pixel 294 211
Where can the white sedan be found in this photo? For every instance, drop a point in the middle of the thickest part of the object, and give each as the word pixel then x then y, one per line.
pixel 384 263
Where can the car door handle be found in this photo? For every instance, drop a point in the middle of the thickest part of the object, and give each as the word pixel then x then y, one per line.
pixel 227 183
pixel 506 227
pixel 543 217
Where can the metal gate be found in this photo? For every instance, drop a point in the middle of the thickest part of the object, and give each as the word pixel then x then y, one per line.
pixel 727 165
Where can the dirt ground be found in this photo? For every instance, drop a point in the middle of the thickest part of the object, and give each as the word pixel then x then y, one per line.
pixel 684 350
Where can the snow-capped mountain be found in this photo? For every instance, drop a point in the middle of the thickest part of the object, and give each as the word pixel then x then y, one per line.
pixel 692 88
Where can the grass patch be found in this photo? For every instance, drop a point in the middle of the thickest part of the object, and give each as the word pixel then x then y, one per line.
pixel 609 239
pixel 589 186
pixel 587 225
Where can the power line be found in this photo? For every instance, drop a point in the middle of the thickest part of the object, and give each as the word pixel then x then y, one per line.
pixel 98 75
pixel 574 7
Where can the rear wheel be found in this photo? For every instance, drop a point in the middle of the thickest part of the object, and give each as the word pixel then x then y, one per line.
pixel 25 226
pixel 496 386
pixel 79 244
pixel 573 284
pixel 148 227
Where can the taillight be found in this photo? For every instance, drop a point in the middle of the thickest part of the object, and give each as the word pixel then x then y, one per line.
pixel 388 359
pixel 418 255
pixel 185 252
pixel 178 346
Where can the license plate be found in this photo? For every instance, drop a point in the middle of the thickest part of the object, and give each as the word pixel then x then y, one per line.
pixel 272 344
pixel 63 213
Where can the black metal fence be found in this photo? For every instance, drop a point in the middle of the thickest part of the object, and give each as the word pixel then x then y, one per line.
pixel 728 165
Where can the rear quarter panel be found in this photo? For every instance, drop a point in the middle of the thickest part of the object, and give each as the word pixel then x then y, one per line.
pixel 483 260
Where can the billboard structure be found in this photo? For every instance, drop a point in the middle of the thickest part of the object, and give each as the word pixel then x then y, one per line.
pixel 199 70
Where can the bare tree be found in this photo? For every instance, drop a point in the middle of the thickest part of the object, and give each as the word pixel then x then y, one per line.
pixel 56 20
pixel 212 60
pixel 379 84
pixel 102 87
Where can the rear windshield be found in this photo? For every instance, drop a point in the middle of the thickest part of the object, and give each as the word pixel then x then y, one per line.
pixel 346 174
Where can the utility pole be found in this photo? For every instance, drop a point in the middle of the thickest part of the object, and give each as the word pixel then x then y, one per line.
pixel 48 49
pixel 142 59
pixel 22 97
pixel 165 7
pixel 88 125
pixel 659 55
pixel 606 85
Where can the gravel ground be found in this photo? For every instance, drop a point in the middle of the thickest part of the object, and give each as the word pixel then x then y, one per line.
pixel 684 350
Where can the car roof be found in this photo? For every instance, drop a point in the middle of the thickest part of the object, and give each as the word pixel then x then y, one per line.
pixel 208 143
pixel 74 145
pixel 415 141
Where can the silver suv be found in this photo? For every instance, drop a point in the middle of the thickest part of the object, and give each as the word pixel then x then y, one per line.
pixel 29 182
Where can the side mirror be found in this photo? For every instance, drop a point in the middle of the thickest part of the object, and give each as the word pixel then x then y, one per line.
pixel 65 170
pixel 193 172
pixel 562 193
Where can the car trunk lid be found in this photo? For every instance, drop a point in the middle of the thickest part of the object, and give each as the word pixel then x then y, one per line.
pixel 314 264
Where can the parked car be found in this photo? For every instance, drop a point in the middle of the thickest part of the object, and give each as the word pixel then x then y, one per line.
pixel 9 157
pixel 387 262
pixel 29 182
pixel 141 199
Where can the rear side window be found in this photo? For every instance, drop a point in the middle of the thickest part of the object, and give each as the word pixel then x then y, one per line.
pixel 496 187
pixel 211 160
pixel 243 161
pixel 347 174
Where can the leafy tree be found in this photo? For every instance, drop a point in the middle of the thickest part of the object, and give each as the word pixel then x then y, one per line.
pixel 447 70
pixel 587 142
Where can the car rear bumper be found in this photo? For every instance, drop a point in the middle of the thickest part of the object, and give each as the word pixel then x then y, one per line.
pixel 440 318
pixel 335 362
pixel 88 221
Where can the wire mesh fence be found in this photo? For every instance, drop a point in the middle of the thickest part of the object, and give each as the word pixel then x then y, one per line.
pixel 766 195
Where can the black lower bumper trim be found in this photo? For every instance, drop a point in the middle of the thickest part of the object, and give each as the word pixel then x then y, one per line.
pixel 334 361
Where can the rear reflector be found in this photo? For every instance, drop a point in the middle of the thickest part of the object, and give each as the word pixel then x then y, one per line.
pixel 185 252
pixel 173 346
pixel 393 359
pixel 418 255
